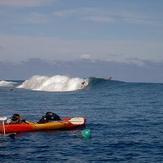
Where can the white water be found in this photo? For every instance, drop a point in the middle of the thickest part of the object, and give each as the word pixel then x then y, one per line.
pixel 57 83
pixel 4 83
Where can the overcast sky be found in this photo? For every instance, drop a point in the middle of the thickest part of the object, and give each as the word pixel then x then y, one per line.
pixel 113 30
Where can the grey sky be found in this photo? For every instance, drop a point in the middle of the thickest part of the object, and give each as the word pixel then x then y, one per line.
pixel 123 31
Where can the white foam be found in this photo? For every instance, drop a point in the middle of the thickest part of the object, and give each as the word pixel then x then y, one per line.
pixel 4 83
pixel 57 83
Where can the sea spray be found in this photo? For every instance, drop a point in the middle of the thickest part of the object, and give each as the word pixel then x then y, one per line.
pixel 4 83
pixel 57 83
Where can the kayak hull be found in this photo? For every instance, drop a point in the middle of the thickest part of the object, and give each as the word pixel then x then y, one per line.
pixel 65 124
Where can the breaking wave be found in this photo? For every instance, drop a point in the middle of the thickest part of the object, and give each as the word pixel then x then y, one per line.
pixel 57 83
pixel 4 83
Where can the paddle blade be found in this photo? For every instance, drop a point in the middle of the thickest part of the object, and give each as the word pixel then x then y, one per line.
pixel 3 118
pixel 77 120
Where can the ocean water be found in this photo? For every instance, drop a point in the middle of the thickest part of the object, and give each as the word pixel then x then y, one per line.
pixel 125 119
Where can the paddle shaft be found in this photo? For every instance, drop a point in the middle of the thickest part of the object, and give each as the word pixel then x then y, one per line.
pixel 4 131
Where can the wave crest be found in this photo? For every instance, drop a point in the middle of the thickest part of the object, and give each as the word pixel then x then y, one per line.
pixel 57 83
pixel 4 83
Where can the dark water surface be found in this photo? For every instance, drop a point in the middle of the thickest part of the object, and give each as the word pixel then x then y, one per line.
pixel 126 121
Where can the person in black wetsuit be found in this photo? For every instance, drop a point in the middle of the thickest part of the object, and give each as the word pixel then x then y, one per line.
pixel 48 117
pixel 16 119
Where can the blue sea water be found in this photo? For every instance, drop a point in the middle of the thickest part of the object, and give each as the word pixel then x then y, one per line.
pixel 125 119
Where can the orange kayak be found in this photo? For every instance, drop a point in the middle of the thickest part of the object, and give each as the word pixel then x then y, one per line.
pixel 64 124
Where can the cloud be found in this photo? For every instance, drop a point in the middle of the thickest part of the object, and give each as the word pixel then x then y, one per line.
pixel 17 48
pixel 136 61
pixel 100 15
pixel 99 19
pixel 24 3
pixel 85 56
pixel 66 13
pixel 36 18
pixel 14 18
